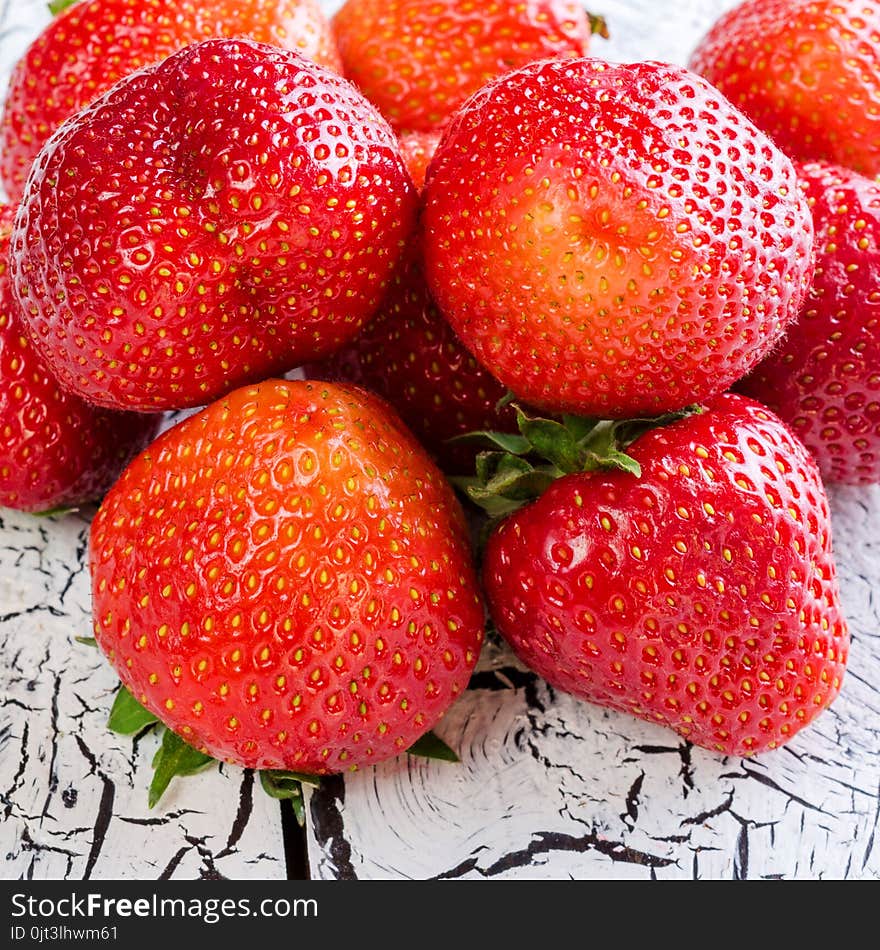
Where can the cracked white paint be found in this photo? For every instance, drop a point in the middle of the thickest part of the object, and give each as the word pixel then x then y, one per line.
pixel 73 796
pixel 548 786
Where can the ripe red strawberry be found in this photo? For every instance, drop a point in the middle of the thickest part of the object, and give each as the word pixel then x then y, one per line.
pixel 93 44
pixel 55 450
pixel 224 215
pixel 418 60
pixel 613 240
pixel 701 595
pixel 284 580
pixel 805 71
pixel 409 354
pixel 824 378
pixel 417 149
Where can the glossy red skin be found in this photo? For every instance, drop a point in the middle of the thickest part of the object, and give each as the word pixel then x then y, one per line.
pixel 419 60
pixel 410 356
pixel 282 558
pixel 702 596
pixel 212 220
pixel 56 451
pixel 613 240
pixel 805 71
pixel 824 378
pixel 93 44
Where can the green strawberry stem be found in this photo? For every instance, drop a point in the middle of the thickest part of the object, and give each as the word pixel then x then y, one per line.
pixel 176 757
pixel 127 716
pixel 513 470
pixel 59 6
pixel 598 26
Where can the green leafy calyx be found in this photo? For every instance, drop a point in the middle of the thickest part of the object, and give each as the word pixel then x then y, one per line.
pixel 174 757
pixel 431 746
pixel 59 6
pixel 514 469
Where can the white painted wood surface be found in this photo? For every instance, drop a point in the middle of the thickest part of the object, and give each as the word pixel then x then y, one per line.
pixel 548 787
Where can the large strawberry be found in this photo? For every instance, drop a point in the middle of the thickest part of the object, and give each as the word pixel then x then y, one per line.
pixel 91 45
pixel 824 378
pixel 224 215
pixel 805 71
pixel 410 355
pixel 418 60
pixel 613 240
pixel 696 589
pixel 284 580
pixel 56 451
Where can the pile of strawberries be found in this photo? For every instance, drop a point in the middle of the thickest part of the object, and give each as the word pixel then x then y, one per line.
pixel 495 258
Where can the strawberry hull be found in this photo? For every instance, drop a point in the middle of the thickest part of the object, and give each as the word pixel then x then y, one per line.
pixel 702 595
pixel 223 216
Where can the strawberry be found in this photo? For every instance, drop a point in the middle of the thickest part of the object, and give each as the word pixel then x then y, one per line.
pixel 824 378
pixel 805 71
pixel 56 450
pixel 284 580
pixel 409 355
pixel 697 589
pixel 230 213
pixel 613 240
pixel 418 60
pixel 417 149
pixel 93 44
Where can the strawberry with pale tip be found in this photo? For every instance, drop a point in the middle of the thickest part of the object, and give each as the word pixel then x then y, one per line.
pixel 613 240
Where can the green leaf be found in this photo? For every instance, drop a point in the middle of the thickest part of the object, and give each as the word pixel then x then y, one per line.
pixel 127 715
pixel 288 786
pixel 618 460
pixel 278 780
pixel 502 441
pixel 551 440
pixel 174 757
pixel 54 512
pixel 431 746
pixel 580 426
pixel 87 641
pixel 59 6
pixel 505 401
pixel 598 26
